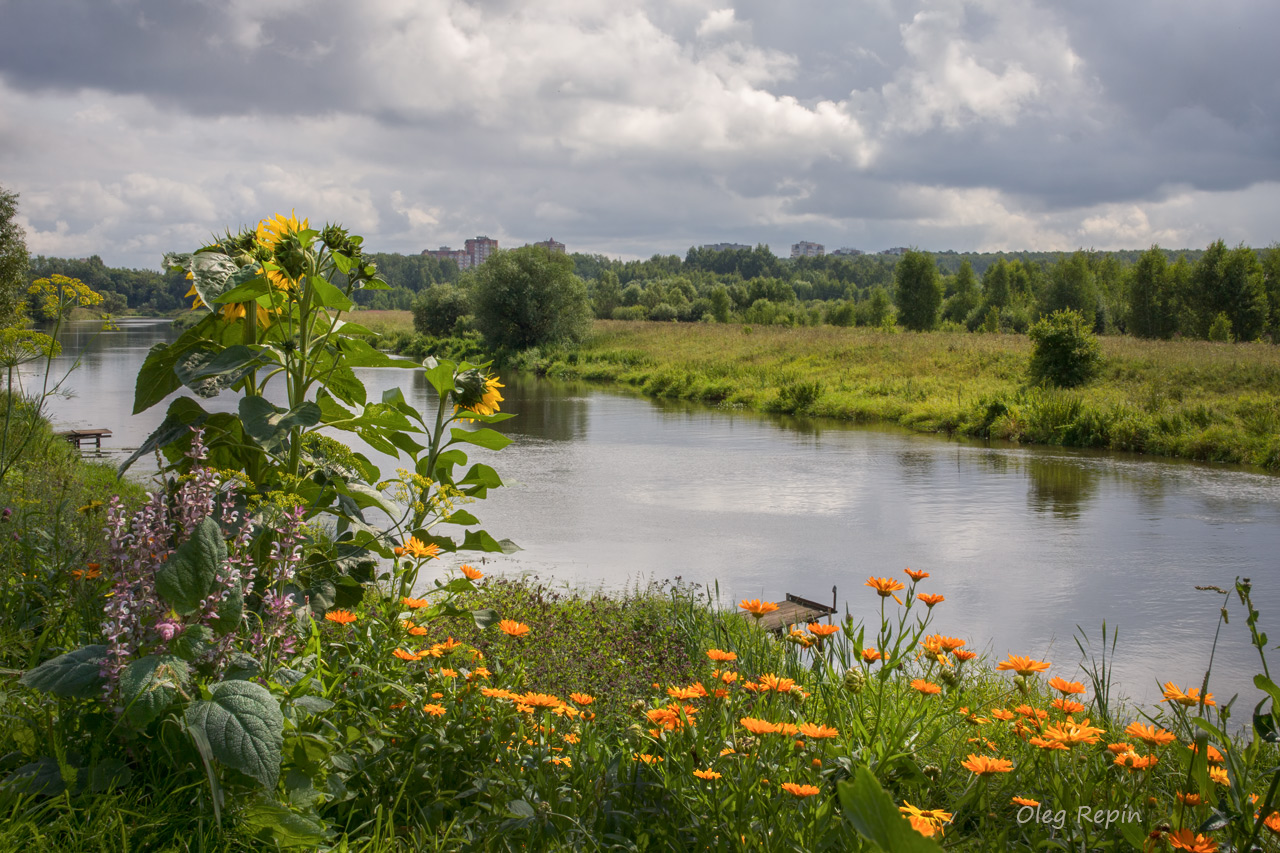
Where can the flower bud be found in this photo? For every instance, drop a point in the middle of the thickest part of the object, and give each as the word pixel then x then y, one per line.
pixel 334 237
pixel 1020 682
pixel 949 677
pixel 931 772
pixel 854 680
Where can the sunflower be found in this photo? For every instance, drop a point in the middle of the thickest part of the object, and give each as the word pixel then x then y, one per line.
pixel 271 231
pixel 486 398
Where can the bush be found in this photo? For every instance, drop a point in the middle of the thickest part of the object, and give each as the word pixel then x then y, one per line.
pixel 437 309
pixel 1064 351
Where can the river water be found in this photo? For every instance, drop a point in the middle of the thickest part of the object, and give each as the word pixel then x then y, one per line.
pixel 610 490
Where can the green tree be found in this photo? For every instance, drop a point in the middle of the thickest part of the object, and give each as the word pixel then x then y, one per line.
pixel 918 291
pixel 605 292
pixel 1229 281
pixel 965 296
pixel 437 309
pixel 1071 287
pixel 721 303
pixel 529 296
pixel 1271 284
pixel 13 261
pixel 1064 351
pixel 1152 301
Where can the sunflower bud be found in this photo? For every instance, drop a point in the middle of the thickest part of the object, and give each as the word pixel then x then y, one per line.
pixel 854 680
pixel 290 256
pixel 334 237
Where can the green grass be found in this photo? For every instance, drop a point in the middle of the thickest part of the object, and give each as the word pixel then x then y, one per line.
pixel 1193 399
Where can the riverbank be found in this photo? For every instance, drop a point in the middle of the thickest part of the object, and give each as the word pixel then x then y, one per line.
pixel 1189 399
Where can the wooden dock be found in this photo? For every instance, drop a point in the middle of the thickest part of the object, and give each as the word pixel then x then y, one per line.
pixel 796 610
pixel 78 436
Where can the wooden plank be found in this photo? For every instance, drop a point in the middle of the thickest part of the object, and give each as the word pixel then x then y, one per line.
pixel 794 610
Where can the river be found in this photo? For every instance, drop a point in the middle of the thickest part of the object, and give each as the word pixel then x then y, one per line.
pixel 610 490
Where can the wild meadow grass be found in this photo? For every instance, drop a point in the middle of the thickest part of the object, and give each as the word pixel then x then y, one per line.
pixel 1193 399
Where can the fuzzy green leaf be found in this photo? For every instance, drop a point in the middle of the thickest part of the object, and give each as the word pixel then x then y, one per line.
pixel 74 675
pixel 148 686
pixel 188 576
pixel 244 728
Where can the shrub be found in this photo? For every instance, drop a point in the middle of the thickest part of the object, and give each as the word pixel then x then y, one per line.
pixel 1064 350
pixel 437 309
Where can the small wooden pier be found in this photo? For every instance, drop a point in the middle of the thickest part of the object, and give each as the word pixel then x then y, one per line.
pixel 79 436
pixel 796 610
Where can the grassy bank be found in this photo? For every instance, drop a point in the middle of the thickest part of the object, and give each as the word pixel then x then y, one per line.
pixel 1192 399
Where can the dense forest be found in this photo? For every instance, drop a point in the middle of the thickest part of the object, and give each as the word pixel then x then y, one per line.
pixel 1218 293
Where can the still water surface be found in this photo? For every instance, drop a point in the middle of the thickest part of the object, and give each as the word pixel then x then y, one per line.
pixel 607 490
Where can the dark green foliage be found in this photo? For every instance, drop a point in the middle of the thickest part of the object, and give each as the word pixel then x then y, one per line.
pixel 13 260
pixel 1071 287
pixel 1153 307
pixel 437 309
pixel 1064 351
pixel 917 291
pixel 964 296
pixel 1228 281
pixel 529 297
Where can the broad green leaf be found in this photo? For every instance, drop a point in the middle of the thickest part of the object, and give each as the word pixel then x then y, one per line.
pixel 480 474
pixel 462 517
pixel 484 618
pixel 484 437
pixel 156 379
pixel 149 685
pixel 268 424
pixel 285 828
pixel 1263 683
pixel 74 675
pixel 235 360
pixel 327 295
pixel 357 353
pixel 478 540
pixel 876 818
pixel 520 808
pixel 188 576
pixel 393 395
pixel 342 261
pixel 256 285
pixel 42 777
pixel 192 643
pixel 244 728
pixel 440 375
pixel 183 414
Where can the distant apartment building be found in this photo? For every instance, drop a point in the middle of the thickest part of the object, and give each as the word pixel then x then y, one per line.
pixel 848 253
pixel 477 251
pixel 552 245
pixel 805 249
pixel 726 247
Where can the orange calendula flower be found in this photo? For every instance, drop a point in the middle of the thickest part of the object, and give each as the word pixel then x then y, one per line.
pixel 646 757
pixel 1067 706
pixel 1134 761
pixel 800 790
pixel 403 655
pixel 885 587
pixel 729 677
pixel 1023 665
pixel 1066 688
pixel 1047 743
pixel 87 574
pixel 985 765
pixel 930 599
pixel 1190 799
pixel 916 576
pixel 1002 714
pixel 1150 734
pixel 820 630
pixel 817 730
pixel 757 608
pixel 1024 801
pixel 412 629
pixel 448 673
pixel 1186 839
pixel 922 826
pixel 964 655
pixel 582 698
pixel 1219 775
pixel 1120 748
pixel 925 687
pixel 947 644
pixel 434 710
pixel 470 573
pixel 415 603
pixel 693 691
pixel 721 656
pixel 416 549
pixel 769 681
pixel 539 700
pixel 1072 733
pixel 1188 698
pixel 936 818
pixel 1212 755
pixel 498 693
pixel 757 727
pixel 512 628
pixel 871 655
pixel 342 617
pixel 709 775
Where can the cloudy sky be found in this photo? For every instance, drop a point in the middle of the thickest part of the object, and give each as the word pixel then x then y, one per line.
pixel 132 127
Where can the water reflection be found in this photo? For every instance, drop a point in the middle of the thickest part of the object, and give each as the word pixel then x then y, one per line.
pixel 1059 487
pixel 609 489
